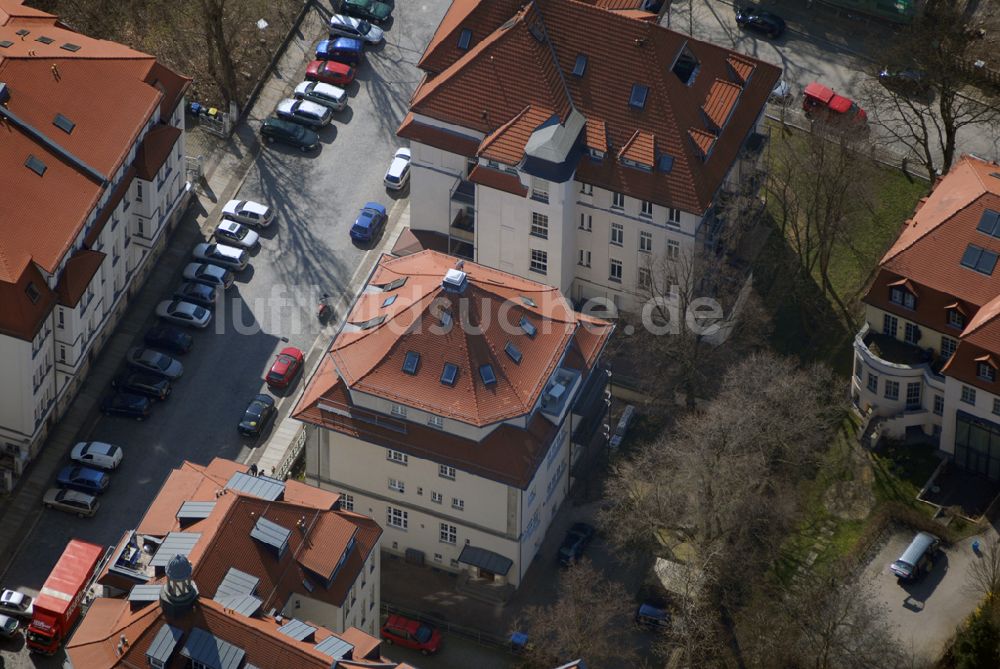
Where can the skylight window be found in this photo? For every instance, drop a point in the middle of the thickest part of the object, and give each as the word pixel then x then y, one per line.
pixel 411 363
pixel 686 66
pixel 372 322
pixel 979 259
pixel 528 327
pixel 388 301
pixel 464 38
pixel 580 66
pixel 22 32
pixel 528 301
pixel 989 223
pixel 63 123
pixel 35 165
pixel 513 352
pixel 638 97
pixel 69 46
pixel 445 318
pixel 449 374
pixel 45 40
pixel 665 163
pixel 486 372
pixel 6 43
pixel 394 284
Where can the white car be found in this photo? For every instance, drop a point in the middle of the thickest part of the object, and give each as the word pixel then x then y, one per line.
pixel 321 93
pixel 16 604
pixel 348 26
pixel 782 93
pixel 233 233
pixel 147 360
pixel 71 501
pixel 304 112
pixel 398 174
pixel 248 212
pixel 97 454
pixel 210 275
pixel 184 313
pixel 227 256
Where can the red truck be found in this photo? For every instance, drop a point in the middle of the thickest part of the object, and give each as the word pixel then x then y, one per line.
pixel 57 606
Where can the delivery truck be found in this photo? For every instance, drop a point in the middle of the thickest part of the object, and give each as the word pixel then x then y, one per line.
pixel 57 606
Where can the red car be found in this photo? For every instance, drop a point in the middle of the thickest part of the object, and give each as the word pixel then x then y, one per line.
pixel 409 633
pixel 285 367
pixel 820 101
pixel 330 72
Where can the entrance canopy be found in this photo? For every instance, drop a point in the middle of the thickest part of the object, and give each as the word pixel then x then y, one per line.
pixel 485 560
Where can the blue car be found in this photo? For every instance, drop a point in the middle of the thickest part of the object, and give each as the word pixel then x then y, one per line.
pixel 369 223
pixel 347 50
pixel 84 479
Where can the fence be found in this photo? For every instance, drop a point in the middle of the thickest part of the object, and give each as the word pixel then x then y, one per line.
pixel 480 637
pixel 291 455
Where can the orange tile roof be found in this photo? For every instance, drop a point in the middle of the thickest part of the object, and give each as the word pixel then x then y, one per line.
pixel 482 18
pixel 297 492
pixel 506 143
pixel 641 148
pixel 155 149
pixel 413 241
pixel 80 269
pixel 596 134
pixel 722 97
pixel 508 68
pixel 491 178
pixel 416 131
pixel 20 316
pixel 116 196
pixel 703 139
pixel 637 14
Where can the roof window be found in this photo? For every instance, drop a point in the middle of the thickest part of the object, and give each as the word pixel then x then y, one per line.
pixel 979 259
pixel 6 43
pixel 35 165
pixel 411 363
pixel 22 32
pixel 989 223
pixel 63 123
pixel 69 46
pixel 528 301
pixel 32 291
pixel 464 38
pixel 528 327
pixel 387 302
pixel 638 97
pixel 487 374
pixel 394 284
pixel 449 374
pixel 686 66
pixel 665 163
pixel 513 352
pixel 45 40
pixel 371 322
pixel 580 66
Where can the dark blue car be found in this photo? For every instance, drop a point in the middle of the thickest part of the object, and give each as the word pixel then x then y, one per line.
pixel 347 50
pixel 369 223
pixel 84 479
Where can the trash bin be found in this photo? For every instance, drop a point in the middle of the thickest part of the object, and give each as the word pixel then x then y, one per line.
pixel 518 642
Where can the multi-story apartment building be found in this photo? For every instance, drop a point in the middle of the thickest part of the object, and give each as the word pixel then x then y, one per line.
pixel 93 174
pixel 928 354
pixel 579 143
pixel 452 406
pixel 255 544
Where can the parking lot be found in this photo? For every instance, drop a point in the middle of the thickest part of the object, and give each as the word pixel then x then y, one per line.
pixel 306 252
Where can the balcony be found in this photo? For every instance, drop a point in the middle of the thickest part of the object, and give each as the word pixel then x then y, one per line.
pixel 464 192
pixel 889 357
pixel 463 226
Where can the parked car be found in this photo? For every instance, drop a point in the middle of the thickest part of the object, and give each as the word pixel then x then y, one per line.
pixel 9 626
pixel 71 501
pixel 285 367
pixel 918 558
pixel 17 604
pixel 303 112
pixel 279 130
pixel 97 454
pixel 237 234
pixel 751 17
pixel 348 26
pixel 248 212
pixel 210 275
pixel 909 81
pixel 169 337
pixel 128 405
pixel 398 174
pixel 223 255
pixel 577 539
pixel 142 383
pixel 183 313
pixel 652 617
pixel 410 633
pixel 148 360
pixel 258 414
pixel 84 479
pixel 369 223
pixel 330 72
pixel 781 93
pixel 347 50
pixel 820 102
pixel 370 10
pixel 327 95
pixel 197 293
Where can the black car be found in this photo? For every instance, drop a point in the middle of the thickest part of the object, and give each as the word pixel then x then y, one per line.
pixel 906 81
pixel 293 134
pixel 169 338
pixel 258 413
pixel 197 293
pixel 129 405
pixel 138 383
pixel 577 539
pixel 750 17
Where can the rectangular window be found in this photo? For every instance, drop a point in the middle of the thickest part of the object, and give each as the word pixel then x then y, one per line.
pixel 62 353
pixel 969 395
pixel 396 456
pixel 397 485
pixel 615 271
pixel 539 190
pixel 138 191
pixel 398 410
pixel 913 395
pixel 457 503
pixel 346 502
pixel 446 472
pixel 891 390
pixel 986 372
pixel 436 497
pixel 60 318
pixel 673 249
pixel 889 325
pixel 996 406
pixel 539 225
pixel 645 278
pixel 617 234
pixel 938 405
pixel 948 346
pixel 955 319
pixel 586 222
pixel 872 382
pixel 647 209
pixel 674 217
pixel 645 241
pixel 584 258
pixel 587 189
pixel 617 201
pixel 911 334
pixel 857 367
pixel 397 518
pixel 436 421
pixel 449 534
pixel 539 261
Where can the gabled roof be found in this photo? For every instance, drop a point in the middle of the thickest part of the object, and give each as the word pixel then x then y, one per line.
pixel 640 148
pixel 79 271
pixel 506 143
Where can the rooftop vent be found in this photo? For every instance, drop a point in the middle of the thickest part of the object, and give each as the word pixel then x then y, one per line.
pixel 412 362
pixel 464 38
pixel 271 534
pixel 45 40
pixel 69 46
pixel 63 123
pixel 449 374
pixel 580 66
pixel 35 165
pixel 455 281
pixel 487 374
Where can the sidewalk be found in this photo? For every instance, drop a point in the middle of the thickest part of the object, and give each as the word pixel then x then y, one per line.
pixel 225 165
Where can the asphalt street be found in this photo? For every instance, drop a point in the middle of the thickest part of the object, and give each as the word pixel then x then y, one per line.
pixel 306 252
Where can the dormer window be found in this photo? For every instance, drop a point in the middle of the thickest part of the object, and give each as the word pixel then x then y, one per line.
pixel 596 155
pixel 956 319
pixel 686 66
pixel 902 297
pixel 464 38
pixel 986 372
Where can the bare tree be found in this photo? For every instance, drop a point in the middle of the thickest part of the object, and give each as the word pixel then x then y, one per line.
pixel 984 573
pixel 588 621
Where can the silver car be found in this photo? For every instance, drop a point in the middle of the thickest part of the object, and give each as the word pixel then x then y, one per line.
pixel 348 26
pixel 210 275
pixel 180 312
pixel 248 212
pixel 71 501
pixel 9 626
pixel 236 234
pixel 224 255
pixel 327 95
pixel 148 360
pixel 18 604
pixel 304 112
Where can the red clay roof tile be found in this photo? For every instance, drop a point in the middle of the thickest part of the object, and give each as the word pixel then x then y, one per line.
pixel 451 142
pixel 722 97
pixel 509 183
pixel 641 148
pixel 76 276
pixel 155 149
